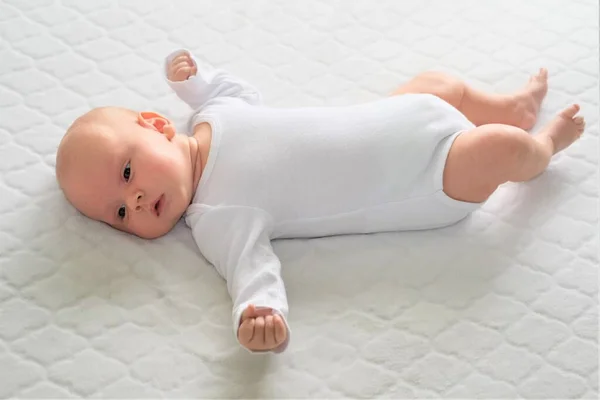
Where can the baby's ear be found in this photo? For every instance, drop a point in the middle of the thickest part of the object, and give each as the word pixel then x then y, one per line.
pixel 156 122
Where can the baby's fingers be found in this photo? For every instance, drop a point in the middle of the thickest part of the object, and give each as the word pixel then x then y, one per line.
pixel 270 332
pixel 181 68
pixel 280 329
pixel 259 332
pixel 175 74
pixel 182 73
pixel 246 331
pixel 249 312
pixel 180 58
pixel 182 64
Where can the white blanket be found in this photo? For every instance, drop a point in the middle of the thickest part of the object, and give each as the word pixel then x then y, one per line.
pixel 502 305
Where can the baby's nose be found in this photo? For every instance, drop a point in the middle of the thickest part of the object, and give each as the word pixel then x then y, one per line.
pixel 136 200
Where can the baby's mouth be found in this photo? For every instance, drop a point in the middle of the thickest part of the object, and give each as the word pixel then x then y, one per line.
pixel 158 205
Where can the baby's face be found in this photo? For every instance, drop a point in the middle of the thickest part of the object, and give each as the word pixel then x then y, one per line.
pixel 128 170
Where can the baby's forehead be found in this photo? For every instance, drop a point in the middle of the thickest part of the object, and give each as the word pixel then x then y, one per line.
pixel 94 138
pixel 88 148
pixel 109 114
pixel 86 165
pixel 108 120
pixel 91 136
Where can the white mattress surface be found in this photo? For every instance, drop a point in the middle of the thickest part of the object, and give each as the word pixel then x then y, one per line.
pixel 501 305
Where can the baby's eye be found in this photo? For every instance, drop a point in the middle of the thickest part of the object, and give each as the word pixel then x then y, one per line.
pixel 127 172
pixel 121 212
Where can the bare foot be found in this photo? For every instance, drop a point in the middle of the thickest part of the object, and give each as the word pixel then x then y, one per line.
pixel 563 130
pixel 529 100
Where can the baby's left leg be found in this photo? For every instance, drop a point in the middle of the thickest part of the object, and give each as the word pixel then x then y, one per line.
pixel 485 157
pixel 519 109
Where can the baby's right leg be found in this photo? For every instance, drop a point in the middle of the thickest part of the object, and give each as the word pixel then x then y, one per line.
pixel 519 109
pixel 485 157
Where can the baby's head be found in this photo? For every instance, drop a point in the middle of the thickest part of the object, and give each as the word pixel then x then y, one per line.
pixel 127 169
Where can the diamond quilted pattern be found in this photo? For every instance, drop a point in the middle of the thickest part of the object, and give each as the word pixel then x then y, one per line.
pixel 440 372
pixel 167 368
pixel 87 372
pixel 46 390
pixel 500 365
pixel 502 305
pixel 19 317
pixel 49 345
pixel 17 374
pixel 551 382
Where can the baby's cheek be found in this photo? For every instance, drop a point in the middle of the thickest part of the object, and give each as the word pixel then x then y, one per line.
pixel 170 160
pixel 177 167
pixel 174 171
pixel 161 163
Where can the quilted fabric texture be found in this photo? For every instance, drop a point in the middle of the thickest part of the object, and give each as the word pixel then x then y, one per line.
pixel 501 305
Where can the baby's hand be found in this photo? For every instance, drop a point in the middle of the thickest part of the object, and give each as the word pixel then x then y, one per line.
pixel 181 68
pixel 261 330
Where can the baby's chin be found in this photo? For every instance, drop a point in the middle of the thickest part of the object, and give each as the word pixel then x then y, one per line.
pixel 152 235
pixel 153 232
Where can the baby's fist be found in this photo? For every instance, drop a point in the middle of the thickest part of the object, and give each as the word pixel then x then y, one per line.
pixel 181 68
pixel 261 330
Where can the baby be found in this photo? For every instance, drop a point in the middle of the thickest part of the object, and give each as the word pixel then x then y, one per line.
pixel 424 158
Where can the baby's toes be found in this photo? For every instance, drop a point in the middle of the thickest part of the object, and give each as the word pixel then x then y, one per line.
pixel 570 111
pixel 579 124
pixel 541 76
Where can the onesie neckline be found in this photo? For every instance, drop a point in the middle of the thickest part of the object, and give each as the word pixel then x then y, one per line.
pixel 213 152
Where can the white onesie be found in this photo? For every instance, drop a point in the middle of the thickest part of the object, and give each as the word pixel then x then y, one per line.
pixel 308 172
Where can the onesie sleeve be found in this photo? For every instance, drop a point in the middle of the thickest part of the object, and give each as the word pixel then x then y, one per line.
pixel 236 241
pixel 209 84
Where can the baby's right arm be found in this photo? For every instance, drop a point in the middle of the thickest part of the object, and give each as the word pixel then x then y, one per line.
pixel 261 330
pixel 235 240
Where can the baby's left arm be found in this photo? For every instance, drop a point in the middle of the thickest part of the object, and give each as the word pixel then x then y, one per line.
pixel 196 84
